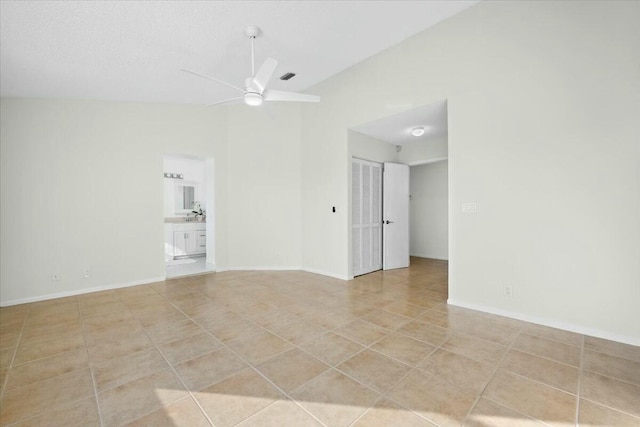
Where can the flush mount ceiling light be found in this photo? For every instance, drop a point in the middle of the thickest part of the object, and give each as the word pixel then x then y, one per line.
pixel 417 131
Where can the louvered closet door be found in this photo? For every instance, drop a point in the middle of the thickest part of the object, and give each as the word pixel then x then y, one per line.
pixel 366 216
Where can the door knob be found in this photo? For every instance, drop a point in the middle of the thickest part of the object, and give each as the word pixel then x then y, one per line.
pixel 388 222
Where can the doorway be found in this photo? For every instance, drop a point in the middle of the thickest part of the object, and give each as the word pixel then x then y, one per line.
pixel 380 225
pixel 417 139
pixel 188 215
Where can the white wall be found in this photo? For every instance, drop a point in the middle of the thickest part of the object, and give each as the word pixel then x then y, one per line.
pixel 82 187
pixel 428 211
pixel 368 148
pixel 543 135
pixel 193 171
pixel 419 152
pixel 264 187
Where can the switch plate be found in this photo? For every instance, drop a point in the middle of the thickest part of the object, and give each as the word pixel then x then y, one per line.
pixel 469 207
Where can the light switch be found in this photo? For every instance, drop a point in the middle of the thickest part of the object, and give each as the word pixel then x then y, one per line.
pixel 469 207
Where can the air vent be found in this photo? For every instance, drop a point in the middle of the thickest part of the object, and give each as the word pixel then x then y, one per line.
pixel 287 76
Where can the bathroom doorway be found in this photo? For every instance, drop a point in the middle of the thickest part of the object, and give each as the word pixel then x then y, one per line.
pixel 188 208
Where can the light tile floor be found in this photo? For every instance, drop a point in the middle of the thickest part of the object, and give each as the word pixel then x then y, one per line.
pixel 298 349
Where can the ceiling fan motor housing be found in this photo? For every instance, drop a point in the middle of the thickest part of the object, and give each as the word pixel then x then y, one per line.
pixel 252 31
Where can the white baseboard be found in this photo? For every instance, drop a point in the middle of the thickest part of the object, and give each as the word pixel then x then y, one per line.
pixel 211 268
pixel 326 273
pixel 261 268
pixel 598 333
pixel 296 268
pixel 430 257
pixel 80 291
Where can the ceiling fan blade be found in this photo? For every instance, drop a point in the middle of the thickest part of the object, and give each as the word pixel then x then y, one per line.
pixel 264 74
pixel 224 101
pixel 212 78
pixel 278 95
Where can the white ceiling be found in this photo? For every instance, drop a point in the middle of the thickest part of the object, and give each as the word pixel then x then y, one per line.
pixel 133 50
pixel 396 129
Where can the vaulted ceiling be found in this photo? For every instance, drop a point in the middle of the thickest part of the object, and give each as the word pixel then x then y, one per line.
pixel 133 50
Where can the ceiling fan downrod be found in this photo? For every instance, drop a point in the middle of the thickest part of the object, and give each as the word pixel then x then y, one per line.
pixel 252 31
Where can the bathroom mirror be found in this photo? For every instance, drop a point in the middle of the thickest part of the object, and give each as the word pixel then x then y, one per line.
pixel 185 196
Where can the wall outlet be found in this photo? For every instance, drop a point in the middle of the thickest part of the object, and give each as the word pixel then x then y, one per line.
pixel 55 276
pixel 508 290
pixel 469 207
pixel 86 273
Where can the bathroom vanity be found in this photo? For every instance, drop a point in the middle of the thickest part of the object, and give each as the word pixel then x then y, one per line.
pixel 184 239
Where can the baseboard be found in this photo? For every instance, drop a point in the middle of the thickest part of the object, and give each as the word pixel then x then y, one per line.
pixel 430 257
pixel 261 268
pixel 80 292
pixel 296 268
pixel 326 273
pixel 598 333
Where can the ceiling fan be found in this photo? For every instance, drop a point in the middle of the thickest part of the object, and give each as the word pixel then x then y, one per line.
pixel 255 92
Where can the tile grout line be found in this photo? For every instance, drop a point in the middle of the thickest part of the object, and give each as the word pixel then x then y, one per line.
pixel 528 417
pixel 137 378
pixel 250 365
pixel 612 408
pixel 416 367
pixel 580 371
pixel 622 380
pixel 282 391
pixel 365 347
pixel 91 371
pixel 412 370
pixel 174 372
pixel 359 417
pixel 13 356
pixel 189 392
pixel 3 386
pixel 67 404
pixel 498 365
pixel 541 382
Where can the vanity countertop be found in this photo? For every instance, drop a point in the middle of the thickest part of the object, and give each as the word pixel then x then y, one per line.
pixel 182 220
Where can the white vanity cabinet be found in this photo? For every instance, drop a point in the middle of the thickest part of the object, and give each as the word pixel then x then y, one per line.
pixel 188 238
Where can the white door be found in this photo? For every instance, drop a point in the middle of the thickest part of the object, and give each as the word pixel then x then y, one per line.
pixel 395 216
pixel 366 212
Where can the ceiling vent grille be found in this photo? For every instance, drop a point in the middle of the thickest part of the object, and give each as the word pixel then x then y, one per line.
pixel 287 76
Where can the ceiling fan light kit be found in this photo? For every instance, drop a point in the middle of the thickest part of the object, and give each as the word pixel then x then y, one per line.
pixel 253 99
pixel 255 92
pixel 417 131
